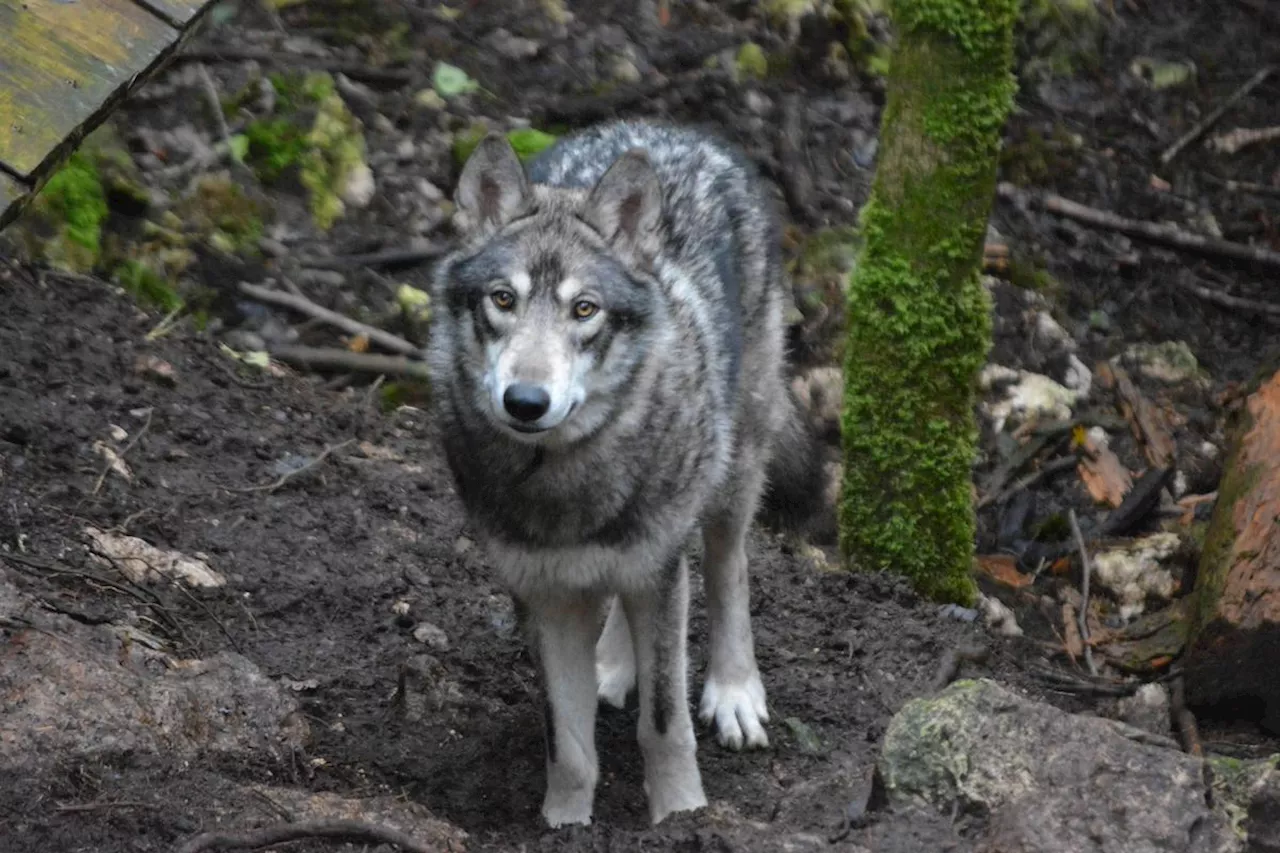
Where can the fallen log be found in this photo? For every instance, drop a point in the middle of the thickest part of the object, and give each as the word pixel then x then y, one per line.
pixel 1234 642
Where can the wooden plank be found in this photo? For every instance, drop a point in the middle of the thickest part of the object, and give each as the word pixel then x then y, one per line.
pixel 61 63
pixel 10 192
pixel 177 12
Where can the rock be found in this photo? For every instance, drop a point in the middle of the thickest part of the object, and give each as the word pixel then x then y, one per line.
pixel 1235 639
pixel 156 369
pixel 1171 362
pixel 1026 395
pixel 1133 571
pixel 757 103
pixel 143 562
pixel 512 46
pixel 1048 781
pixel 998 617
pixel 1247 795
pixel 431 635
pixel 1147 709
pixel 70 690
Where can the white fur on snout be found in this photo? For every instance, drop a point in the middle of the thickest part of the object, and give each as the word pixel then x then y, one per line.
pixel 533 355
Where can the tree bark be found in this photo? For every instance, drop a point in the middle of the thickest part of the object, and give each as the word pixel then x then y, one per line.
pixel 919 323
pixel 1235 637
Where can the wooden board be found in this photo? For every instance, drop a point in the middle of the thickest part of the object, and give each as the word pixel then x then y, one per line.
pixel 64 65
pixel 10 191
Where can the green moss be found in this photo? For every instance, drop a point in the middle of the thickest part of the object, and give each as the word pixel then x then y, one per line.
pixel 75 196
pixel 529 142
pixel 274 146
pixel 335 150
pixel 147 285
pixel 220 213
pixel 918 324
pixel 751 62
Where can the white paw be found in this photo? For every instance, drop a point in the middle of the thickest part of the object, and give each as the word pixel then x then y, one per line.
pixel 676 789
pixel 567 808
pixel 662 808
pixel 614 682
pixel 738 711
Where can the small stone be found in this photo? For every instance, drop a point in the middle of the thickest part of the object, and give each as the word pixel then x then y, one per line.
pixel 758 102
pixel 431 635
pixel 400 608
pixel 156 369
pixel 429 99
pixel 118 433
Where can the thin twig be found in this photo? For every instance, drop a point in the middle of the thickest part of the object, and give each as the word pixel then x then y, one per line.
pixel 1048 469
pixel 356 362
pixel 303 305
pixel 105 805
pixel 289 475
pixel 1212 118
pixel 1168 235
pixel 210 90
pixel 1085 570
pixel 337 830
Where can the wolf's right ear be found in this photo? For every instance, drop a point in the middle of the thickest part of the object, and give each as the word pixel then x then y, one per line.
pixel 626 207
pixel 492 189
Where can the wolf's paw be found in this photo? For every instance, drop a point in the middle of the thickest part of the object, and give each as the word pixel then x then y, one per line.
pixel 614 681
pixel 662 807
pixel 738 710
pixel 567 808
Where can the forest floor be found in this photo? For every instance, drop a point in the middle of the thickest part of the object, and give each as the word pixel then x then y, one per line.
pixel 351 576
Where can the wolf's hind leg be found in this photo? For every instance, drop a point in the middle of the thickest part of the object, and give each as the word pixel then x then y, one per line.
pixel 615 658
pixel 565 630
pixel 659 620
pixel 733 697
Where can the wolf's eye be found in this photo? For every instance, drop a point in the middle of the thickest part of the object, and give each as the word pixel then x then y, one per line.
pixel 584 309
pixel 503 299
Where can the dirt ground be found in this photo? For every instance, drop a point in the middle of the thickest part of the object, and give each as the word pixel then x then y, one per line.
pixel 331 573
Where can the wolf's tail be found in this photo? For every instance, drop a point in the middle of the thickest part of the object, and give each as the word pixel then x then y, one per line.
pixel 795 492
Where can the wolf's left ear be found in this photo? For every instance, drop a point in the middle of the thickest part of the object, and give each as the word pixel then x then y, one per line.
pixel 492 189
pixel 626 207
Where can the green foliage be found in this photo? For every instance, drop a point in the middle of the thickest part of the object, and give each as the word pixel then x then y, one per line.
pixel 74 203
pixel 335 149
pixel 918 324
pixel 220 212
pixel 146 285
pixel 528 142
pixel 274 145
pixel 751 62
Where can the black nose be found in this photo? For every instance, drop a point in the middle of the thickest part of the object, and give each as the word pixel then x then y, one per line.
pixel 526 402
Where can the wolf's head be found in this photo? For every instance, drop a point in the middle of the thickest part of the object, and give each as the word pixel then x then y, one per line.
pixel 550 302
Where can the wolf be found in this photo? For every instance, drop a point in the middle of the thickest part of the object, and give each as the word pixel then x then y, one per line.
pixel 607 353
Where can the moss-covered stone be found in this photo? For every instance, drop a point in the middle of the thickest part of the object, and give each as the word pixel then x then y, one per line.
pixel 221 214
pixel 751 62
pixel 919 326
pixel 335 156
pixel 147 285
pixel 274 146
pixel 63 224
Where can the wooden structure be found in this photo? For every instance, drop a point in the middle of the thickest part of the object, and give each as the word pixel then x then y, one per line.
pixel 64 65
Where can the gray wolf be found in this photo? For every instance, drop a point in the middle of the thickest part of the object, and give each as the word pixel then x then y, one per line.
pixel 607 354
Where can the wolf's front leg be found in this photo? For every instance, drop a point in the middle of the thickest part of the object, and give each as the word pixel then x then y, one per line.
pixel 565 629
pixel 659 618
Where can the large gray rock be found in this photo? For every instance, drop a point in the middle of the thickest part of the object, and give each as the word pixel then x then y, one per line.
pixel 71 689
pixel 1049 781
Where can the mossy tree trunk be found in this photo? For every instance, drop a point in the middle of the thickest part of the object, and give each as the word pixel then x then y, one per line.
pixel 918 321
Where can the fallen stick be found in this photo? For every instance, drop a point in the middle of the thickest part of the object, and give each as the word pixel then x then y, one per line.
pixel 1167 235
pixel 1226 300
pixel 354 70
pixel 1183 719
pixel 326 358
pixel 303 305
pixel 1085 570
pixel 1246 186
pixel 389 258
pixel 289 475
pixel 1212 118
pixel 1149 424
pixel 1243 137
pixel 1054 466
pixel 336 830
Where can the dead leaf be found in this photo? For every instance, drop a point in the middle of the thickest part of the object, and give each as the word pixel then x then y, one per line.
pixel 1107 480
pixel 114 461
pixel 360 343
pixel 1003 569
pixel 1072 643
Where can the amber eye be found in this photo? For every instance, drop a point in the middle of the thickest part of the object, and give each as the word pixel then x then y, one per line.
pixel 584 309
pixel 503 299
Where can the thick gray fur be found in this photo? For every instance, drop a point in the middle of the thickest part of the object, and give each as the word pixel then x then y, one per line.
pixel 664 409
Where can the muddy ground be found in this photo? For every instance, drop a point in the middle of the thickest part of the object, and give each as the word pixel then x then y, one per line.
pixel 331 573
